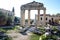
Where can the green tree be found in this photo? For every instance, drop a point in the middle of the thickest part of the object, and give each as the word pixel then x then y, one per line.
pixel 3 18
pixel 9 21
pixel 58 14
pixel 32 21
pixel 26 20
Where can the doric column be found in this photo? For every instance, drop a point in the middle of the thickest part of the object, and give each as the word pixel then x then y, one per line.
pixel 44 21
pixel 28 17
pixel 38 24
pixel 22 17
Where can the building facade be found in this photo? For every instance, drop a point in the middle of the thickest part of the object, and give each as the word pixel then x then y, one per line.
pixel 32 6
pixel 48 18
pixel 9 14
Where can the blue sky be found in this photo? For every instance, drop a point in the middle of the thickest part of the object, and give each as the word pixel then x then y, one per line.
pixel 52 6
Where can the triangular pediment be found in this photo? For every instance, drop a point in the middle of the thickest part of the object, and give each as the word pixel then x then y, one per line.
pixel 36 4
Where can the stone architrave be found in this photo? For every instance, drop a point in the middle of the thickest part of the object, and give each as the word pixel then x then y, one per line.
pixel 32 6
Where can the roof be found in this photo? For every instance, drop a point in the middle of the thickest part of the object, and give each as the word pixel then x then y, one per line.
pixel 34 3
pixel 50 15
pixel 4 10
pixel 46 15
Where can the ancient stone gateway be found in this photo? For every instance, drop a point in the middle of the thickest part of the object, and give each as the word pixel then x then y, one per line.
pixel 32 6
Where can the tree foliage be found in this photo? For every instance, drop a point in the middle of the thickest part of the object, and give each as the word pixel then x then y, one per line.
pixel 58 14
pixel 9 21
pixel 3 18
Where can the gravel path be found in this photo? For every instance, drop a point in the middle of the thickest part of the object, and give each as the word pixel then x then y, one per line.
pixel 18 36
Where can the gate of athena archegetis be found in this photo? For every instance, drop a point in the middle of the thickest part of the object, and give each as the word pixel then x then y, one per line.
pixel 32 6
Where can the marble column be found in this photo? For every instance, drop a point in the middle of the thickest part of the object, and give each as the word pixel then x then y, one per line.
pixel 28 17
pixel 44 21
pixel 22 17
pixel 38 24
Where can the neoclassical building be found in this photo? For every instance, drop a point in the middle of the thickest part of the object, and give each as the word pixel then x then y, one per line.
pixel 48 17
pixel 32 6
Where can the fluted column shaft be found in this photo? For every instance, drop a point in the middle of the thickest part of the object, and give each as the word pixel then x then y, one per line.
pixel 28 17
pixel 38 24
pixel 22 17
pixel 44 23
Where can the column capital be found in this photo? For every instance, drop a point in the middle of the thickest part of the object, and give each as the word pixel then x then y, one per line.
pixel 44 8
pixel 28 9
pixel 38 9
pixel 22 9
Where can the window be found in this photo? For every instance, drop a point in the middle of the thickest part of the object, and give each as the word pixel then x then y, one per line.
pixel 52 19
pixel 46 18
pixel 41 18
